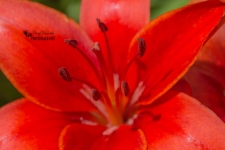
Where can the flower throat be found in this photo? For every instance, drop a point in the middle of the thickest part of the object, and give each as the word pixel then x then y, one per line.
pixel 116 101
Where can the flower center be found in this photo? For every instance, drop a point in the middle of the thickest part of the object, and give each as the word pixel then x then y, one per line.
pixel 115 91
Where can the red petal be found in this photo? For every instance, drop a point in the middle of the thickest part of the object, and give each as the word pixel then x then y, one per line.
pixel 91 137
pixel 213 51
pixel 181 123
pixel 173 41
pixel 123 19
pixel 206 76
pixel 125 138
pixel 182 86
pixel 79 136
pixel 208 83
pixel 26 126
pixel 32 65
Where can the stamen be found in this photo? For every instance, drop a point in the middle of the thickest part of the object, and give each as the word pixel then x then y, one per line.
pixel 110 130
pixel 134 98
pixel 128 66
pixel 97 50
pixel 101 25
pixel 87 122
pixel 104 29
pixel 64 74
pixel 74 44
pixel 96 95
pixel 140 53
pixel 125 88
pixel 71 42
pixel 87 92
pixel 103 64
pixel 137 93
pixel 141 47
pixel 85 82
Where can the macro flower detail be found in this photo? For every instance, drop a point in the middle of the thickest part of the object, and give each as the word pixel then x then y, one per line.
pixel 208 73
pixel 106 84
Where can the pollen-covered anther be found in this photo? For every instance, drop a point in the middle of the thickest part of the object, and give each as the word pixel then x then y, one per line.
pixel 102 25
pixel 125 88
pixel 141 47
pixel 96 47
pixel 64 74
pixel 71 42
pixel 96 95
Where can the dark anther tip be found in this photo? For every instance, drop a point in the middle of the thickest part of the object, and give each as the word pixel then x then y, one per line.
pixel 141 47
pixel 96 95
pixel 101 25
pixel 125 88
pixel 71 42
pixel 64 74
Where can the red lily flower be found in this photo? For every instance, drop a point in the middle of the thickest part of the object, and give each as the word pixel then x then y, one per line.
pixel 113 95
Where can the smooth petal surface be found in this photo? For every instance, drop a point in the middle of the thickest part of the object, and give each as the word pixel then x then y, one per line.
pixel 27 126
pixel 182 86
pixel 173 41
pixel 87 137
pixel 208 83
pixel 123 19
pixel 32 65
pixel 181 122
pixel 214 50
pixel 209 72
pixel 78 136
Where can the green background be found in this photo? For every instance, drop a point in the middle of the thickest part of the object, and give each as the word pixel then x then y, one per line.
pixel 72 8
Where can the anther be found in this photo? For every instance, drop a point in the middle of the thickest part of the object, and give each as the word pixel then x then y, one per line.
pixel 96 95
pixel 96 47
pixel 71 42
pixel 140 53
pixel 74 44
pixel 125 88
pixel 101 25
pixel 64 74
pixel 141 47
pixel 104 69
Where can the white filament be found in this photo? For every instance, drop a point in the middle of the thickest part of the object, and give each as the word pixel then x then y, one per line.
pixel 87 92
pixel 137 93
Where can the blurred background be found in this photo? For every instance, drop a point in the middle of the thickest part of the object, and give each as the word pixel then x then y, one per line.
pixel 72 8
